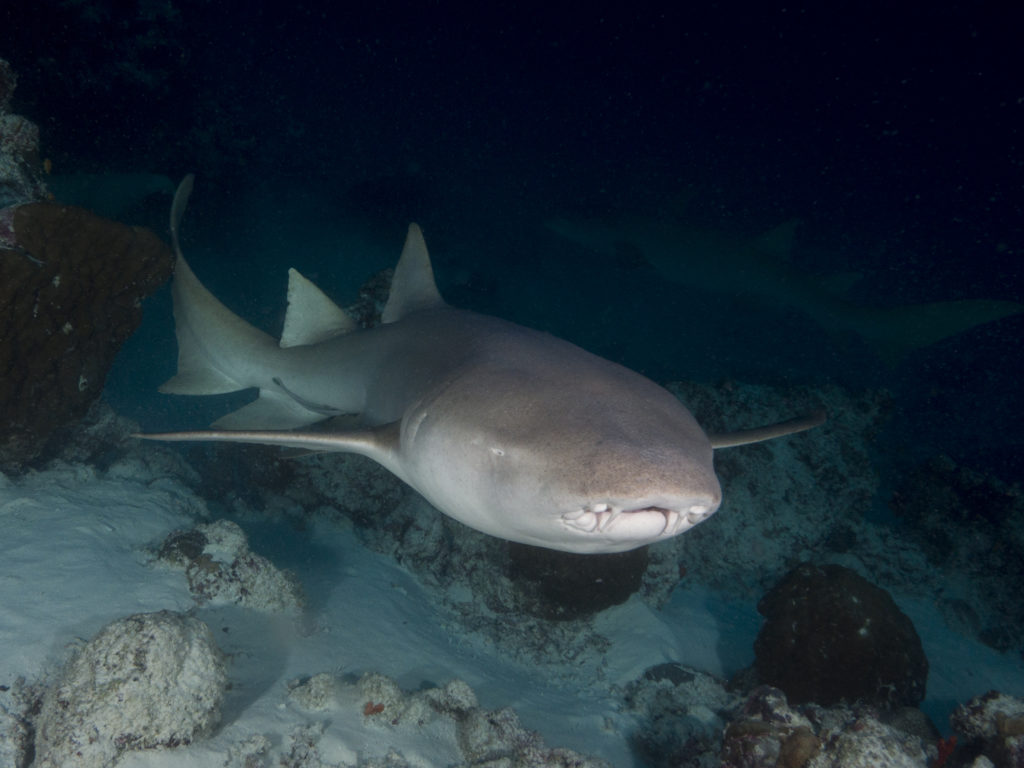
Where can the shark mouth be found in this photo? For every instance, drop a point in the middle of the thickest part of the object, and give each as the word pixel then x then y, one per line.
pixel 641 522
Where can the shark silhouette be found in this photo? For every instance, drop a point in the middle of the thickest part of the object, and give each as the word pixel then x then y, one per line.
pixel 511 431
pixel 760 268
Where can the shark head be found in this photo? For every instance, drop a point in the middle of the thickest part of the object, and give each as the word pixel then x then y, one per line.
pixel 610 464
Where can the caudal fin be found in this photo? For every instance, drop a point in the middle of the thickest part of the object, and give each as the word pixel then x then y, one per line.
pixel 895 331
pixel 215 346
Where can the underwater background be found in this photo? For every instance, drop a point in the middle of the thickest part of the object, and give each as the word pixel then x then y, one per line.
pixel 893 138
pixel 872 155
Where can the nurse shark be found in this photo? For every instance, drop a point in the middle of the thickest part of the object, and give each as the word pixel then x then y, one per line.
pixel 509 430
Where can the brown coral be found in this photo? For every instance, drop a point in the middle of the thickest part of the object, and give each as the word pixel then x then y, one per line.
pixel 798 748
pixel 70 295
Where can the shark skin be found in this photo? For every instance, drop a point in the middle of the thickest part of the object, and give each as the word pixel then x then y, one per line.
pixel 511 431
pixel 759 268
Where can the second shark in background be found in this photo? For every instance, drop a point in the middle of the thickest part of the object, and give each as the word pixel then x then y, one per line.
pixel 760 268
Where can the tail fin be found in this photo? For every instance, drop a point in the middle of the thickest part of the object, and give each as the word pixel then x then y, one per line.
pixel 215 346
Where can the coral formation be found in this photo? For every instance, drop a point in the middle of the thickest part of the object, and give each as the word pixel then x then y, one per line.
pixel 146 681
pixel 221 569
pixel 682 713
pixel 830 636
pixel 483 737
pixel 994 725
pixel 314 693
pixel 71 295
pixel 383 696
pixel 866 742
pixel 767 731
pixel 689 720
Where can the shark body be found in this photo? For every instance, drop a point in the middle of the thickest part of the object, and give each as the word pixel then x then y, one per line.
pixel 759 268
pixel 511 431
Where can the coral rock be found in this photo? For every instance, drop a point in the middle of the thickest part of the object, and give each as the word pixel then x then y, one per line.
pixel 147 681
pixel 221 569
pixel 867 743
pixel 314 693
pixel 767 732
pixel 681 716
pixel 994 721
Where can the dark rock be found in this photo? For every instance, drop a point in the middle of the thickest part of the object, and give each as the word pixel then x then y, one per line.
pixel 675 673
pixel 70 296
pixel 565 585
pixel 831 636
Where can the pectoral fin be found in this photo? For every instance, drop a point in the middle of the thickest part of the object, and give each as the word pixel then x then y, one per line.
pixel 769 432
pixel 378 443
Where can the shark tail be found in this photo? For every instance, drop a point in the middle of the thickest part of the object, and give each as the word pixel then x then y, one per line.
pixel 219 352
pixel 216 347
pixel 213 342
pixel 893 332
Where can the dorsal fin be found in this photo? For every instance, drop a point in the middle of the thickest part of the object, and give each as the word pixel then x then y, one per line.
pixel 311 316
pixel 412 287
